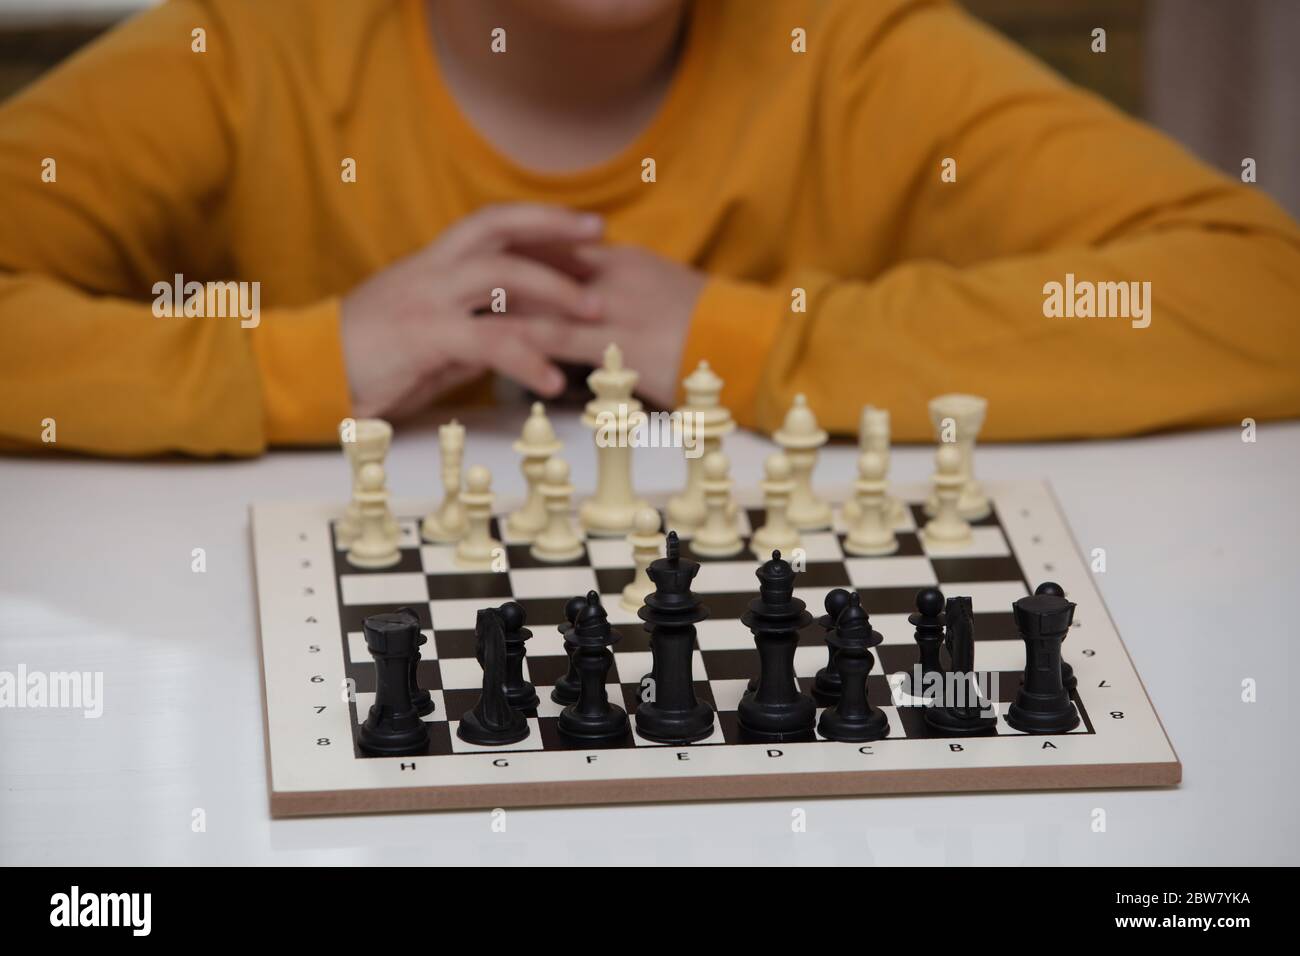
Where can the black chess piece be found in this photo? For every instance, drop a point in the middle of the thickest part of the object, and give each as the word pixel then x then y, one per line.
pixel 393 727
pixel 568 687
pixel 963 712
pixel 492 722
pixel 853 718
pixel 929 623
pixel 776 709
pixel 1043 704
pixel 673 715
pixel 521 694
pixel 593 718
pixel 1067 672
pixel 826 684
pixel 422 698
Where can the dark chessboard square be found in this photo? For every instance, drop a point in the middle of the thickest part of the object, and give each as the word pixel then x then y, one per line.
pixel 460 700
pixel 726 605
pixel 731 665
pixel 824 574
pixel 633 637
pixel 439 743
pixel 914 727
pixel 909 546
pixel 686 552
pixel 553 739
pixel 478 584
pixel 545 671
pixel 995 626
pixel 955 570
pixel 893 658
pixel 519 557
pixel 352 616
pixel 891 600
pixel 544 612
pixel 614 580
pixel 988 521
pixel 452 644
pixel 1003 685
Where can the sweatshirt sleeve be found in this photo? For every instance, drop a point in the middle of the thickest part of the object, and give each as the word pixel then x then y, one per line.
pixel 1052 186
pixel 113 170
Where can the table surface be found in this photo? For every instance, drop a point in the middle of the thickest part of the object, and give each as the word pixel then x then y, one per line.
pixel 1200 534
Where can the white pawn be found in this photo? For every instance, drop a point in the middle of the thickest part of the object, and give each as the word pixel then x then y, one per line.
pixel 646 542
pixel 373 546
pixel 947 527
pixel 872 532
pixel 717 537
pixel 556 543
pixel 777 533
pixel 446 523
pixel 800 436
pixel 873 435
pixel 477 547
pixel 536 444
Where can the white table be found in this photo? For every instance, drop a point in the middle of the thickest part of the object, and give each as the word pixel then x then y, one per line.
pixel 1200 532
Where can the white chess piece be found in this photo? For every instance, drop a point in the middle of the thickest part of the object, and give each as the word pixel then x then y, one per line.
pixel 874 435
pixel 704 423
pixel 611 415
pixel 800 436
pixel 717 537
pixel 777 533
pixel 872 533
pixel 536 443
pixel 647 544
pixel 366 441
pixel 446 523
pixel 477 547
pixel 965 415
pixel 556 543
pixel 947 527
pixel 372 547
pixel 349 526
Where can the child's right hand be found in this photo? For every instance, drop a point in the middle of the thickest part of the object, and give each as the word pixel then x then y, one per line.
pixel 410 332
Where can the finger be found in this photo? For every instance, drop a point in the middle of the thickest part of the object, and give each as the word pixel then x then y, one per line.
pixel 479 341
pixel 493 228
pixel 557 255
pixel 555 337
pixel 529 286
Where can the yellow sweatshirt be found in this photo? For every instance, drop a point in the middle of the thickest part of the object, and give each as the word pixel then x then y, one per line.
pixel 817 189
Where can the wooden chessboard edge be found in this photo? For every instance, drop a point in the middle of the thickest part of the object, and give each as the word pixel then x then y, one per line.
pixel 752 786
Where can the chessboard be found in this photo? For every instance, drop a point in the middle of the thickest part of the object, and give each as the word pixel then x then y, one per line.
pixel 319 678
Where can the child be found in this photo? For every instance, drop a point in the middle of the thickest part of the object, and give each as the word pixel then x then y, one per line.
pixel 391 198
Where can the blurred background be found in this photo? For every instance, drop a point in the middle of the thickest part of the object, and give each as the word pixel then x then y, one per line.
pixel 1222 76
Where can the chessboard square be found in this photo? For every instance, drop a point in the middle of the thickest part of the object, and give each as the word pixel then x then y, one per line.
pixel 490 587
pixel 546 642
pixel 731 665
pixel 723 634
pixel 1006 730
pixel 610 553
pixel 632 637
pixel 358 653
pixel 989 595
pixel 461 673
pixel 986 542
pixel 726 576
pixel 408 560
pixel 820 546
pixel 824 574
pixel 894 628
pixel 546 669
pixel 633 665
pixel 809 660
pixel 455 643
pixel 441 559
pixel 891 571
pixel 521 556
pixel 965 569
pixel 613 581
pixel 891 714
pixel 456 614
pixel 550 582
pixel 727 693
pixel 717 737
pixel 394 589
pixel 532 742
pixel 895 600
pixel 366 699
pixel 625 620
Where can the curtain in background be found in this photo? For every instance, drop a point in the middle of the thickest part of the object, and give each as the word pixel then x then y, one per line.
pixel 1223 76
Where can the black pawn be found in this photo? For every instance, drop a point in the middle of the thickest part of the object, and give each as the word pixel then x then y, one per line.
pixel 929 622
pixel 853 718
pixel 568 687
pixel 593 718
pixel 963 712
pixel 826 685
pixel 393 727
pixel 422 698
pixel 521 694
pixel 776 709
pixel 492 722
pixel 673 715
pixel 1043 704
pixel 1067 672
